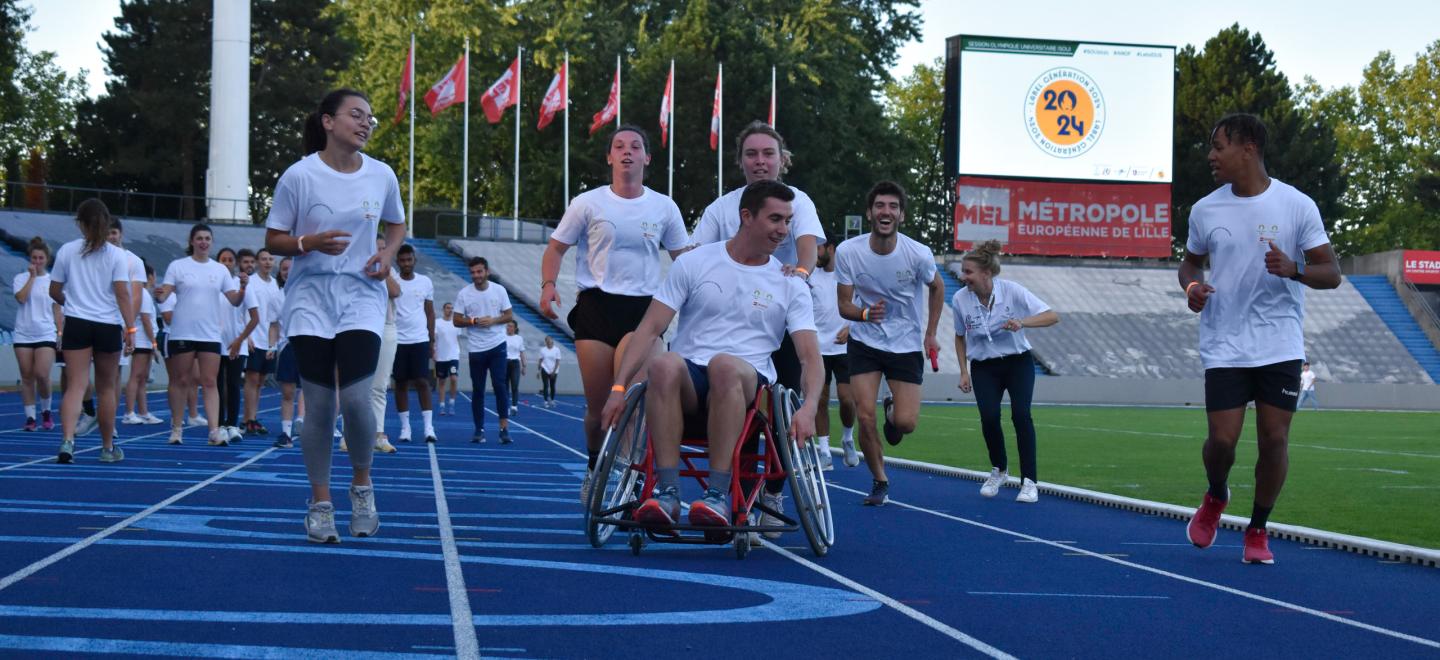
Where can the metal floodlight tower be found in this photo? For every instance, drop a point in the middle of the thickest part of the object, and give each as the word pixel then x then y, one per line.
pixel 227 181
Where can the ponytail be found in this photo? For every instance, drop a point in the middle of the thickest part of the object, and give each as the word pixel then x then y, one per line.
pixel 94 220
pixel 314 136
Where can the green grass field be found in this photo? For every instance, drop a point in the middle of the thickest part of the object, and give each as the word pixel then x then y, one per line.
pixel 1372 474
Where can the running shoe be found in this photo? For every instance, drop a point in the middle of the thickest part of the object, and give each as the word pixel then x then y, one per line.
pixel 364 519
pixel 1029 493
pixel 663 509
pixel 713 510
pixel 218 438
pixel 46 421
pixel 404 437
pixel 67 451
pixel 382 445
pixel 827 462
pixel 514 411
pixel 1257 547
pixel 234 434
pixel 320 523
pixel 478 438
pixel 1205 524
pixel 86 424
pixel 295 427
pixel 993 482
pixel 150 420
pixel 283 442
pixel 892 432
pixel 775 501
pixel 585 487
pixel 339 431
pixel 431 439
pixel 198 421
pixel 343 447
pixel 175 435
pixel 131 418
pixel 504 436
pixel 112 455
pixel 260 429
pixel 29 424
pixel 879 494
pixel 852 458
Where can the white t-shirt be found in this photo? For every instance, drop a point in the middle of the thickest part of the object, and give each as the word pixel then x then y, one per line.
pixel 447 340
pixel 268 303
pixel 472 302
pixel 514 346
pixel 410 325
pixel 201 310
pixel 239 318
pixel 984 327
pixel 1253 318
pixel 727 307
pixel 326 295
pixel 147 307
pixel 550 359
pixel 618 240
pixel 89 281
pixel 35 320
pixel 901 279
pixel 721 220
pixel 164 307
pixel 828 322
pixel 1307 380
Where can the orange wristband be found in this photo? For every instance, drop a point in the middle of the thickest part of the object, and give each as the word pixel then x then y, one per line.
pixel 1190 286
pixel 865 314
pixel 617 388
pixel 802 271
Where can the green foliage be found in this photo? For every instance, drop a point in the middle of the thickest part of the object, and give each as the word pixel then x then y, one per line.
pixel 37 98
pixel 914 112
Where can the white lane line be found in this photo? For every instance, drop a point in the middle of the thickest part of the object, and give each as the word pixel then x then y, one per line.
pixel 102 534
pixel 539 434
pixel 467 645
pixel 1164 573
pixel 851 584
pixel 1054 595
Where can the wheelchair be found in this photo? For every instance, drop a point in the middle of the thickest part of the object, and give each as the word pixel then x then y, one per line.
pixel 625 477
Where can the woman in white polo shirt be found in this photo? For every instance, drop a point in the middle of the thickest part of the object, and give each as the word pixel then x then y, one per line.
pixel 991 315
pixel 35 324
pixel 328 209
pixel 91 283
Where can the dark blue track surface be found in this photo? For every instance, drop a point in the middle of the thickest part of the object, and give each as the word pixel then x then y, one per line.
pixel 222 569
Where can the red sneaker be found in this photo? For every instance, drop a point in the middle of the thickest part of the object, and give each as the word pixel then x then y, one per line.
pixel 46 422
pixel 1205 524
pixel 663 509
pixel 1257 547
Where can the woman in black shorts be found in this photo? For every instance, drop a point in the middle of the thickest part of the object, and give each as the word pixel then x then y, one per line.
pixel 619 231
pixel 35 327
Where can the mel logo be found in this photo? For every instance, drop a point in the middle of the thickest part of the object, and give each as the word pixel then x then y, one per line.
pixel 1064 112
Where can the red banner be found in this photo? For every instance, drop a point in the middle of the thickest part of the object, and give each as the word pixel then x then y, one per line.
pixel 1064 219
pixel 1421 267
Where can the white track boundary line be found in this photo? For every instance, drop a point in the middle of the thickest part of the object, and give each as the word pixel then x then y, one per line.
pixel 1164 573
pixel 102 534
pixel 467 645
pixel 848 583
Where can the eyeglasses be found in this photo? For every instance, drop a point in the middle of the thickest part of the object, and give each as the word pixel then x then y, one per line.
pixel 361 116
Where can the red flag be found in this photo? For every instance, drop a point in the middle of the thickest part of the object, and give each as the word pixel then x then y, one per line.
pixel 612 106
pixel 450 90
pixel 554 100
pixel 715 117
pixel 667 106
pixel 501 95
pixel 407 83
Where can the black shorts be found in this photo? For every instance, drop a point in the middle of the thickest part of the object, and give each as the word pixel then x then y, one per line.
pixel 1278 384
pixel 81 334
pixel 257 363
pixel 286 369
pixel 606 317
pixel 144 351
pixel 160 340
pixel 447 368
pixel 903 367
pixel 412 362
pixel 35 344
pixel 180 346
pixel 838 366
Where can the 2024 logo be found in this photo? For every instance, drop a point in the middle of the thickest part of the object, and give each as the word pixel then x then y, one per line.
pixel 1064 112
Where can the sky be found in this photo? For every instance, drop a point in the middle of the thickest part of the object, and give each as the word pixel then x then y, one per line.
pixel 1325 39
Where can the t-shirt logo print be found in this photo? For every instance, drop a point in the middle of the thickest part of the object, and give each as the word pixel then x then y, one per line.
pixel 370 209
pixel 904 277
pixel 1268 233
pixel 761 299
pixel 650 230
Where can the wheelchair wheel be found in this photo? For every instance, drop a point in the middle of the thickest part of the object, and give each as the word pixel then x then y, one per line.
pixel 614 484
pixel 742 545
pixel 805 475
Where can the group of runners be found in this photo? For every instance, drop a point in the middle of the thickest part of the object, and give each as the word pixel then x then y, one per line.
pixel 760 293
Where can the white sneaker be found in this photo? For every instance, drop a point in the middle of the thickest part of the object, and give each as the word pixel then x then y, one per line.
pixel 775 501
pixel 85 424
pixel 320 523
pixel 151 419
pixel 993 482
pixel 198 421
pixel 175 435
pixel 342 445
pixel 404 437
pixel 383 446
pixel 131 418
pixel 233 433
pixel 1029 494
pixel 827 462
pixel 219 438
pixel 364 520
pixel 852 458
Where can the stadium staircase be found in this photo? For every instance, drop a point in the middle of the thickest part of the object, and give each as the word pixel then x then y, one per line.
pixel 953 284
pixel 450 261
pixel 1382 297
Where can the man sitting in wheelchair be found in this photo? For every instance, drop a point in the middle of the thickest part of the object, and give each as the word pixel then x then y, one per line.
pixel 735 304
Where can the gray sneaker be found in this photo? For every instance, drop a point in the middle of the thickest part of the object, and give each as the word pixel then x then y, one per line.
pixel 364 519
pixel 112 455
pixel 320 523
pixel 775 501
pixel 852 457
pixel 67 451
pixel 85 425
pixel 585 488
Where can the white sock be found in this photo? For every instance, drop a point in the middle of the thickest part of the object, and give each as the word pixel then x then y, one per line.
pixel 824 444
pixel 285 426
pixel 45 402
pixel 30 412
pixel 847 437
pixel 426 415
pixel 405 424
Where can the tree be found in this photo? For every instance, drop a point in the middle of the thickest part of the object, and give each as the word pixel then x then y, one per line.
pixel 37 98
pixel 914 109
pixel 1236 72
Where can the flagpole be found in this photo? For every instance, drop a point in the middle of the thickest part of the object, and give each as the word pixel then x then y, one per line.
pixel 773 118
pixel 565 94
pixel 720 137
pixel 515 217
pixel 670 129
pixel 617 91
pixel 465 152
pixel 410 211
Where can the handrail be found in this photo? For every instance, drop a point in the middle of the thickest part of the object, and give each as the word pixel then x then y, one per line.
pixel 51 198
pixel 1416 299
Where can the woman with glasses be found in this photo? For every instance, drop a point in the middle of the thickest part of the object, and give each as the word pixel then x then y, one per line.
pixel 991 315
pixel 327 211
